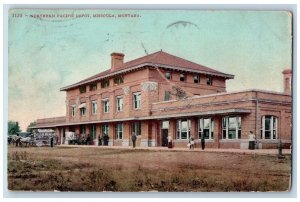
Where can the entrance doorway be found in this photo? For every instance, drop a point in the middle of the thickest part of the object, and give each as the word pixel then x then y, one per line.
pixel 164 136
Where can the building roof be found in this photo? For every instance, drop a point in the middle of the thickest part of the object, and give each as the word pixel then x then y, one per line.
pixel 160 59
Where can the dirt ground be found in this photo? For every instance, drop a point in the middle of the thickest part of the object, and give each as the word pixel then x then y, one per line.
pixel 104 169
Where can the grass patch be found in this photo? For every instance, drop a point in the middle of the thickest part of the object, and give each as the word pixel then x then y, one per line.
pixel 92 169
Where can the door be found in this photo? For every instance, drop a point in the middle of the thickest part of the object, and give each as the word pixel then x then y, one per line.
pixel 164 141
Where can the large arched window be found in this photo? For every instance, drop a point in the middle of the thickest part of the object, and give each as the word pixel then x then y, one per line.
pixel 269 127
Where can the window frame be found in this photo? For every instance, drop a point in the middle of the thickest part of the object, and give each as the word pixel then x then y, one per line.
pixel 104 129
pixel 93 131
pixel 198 78
pixel 209 80
pixel 179 129
pixel 137 104
pixel 201 128
pixel 238 127
pixel 105 83
pixel 105 105
pixel 93 86
pixel 73 112
pixel 118 80
pixel 168 75
pixel 83 110
pixel 272 129
pixel 94 110
pixel 137 128
pixel 119 131
pixel 184 77
pixel 82 89
pixel 119 108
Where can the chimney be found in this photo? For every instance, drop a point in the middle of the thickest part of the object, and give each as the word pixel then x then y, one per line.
pixel 287 79
pixel 117 60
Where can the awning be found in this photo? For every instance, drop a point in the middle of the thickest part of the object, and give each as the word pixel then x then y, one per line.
pixel 82 105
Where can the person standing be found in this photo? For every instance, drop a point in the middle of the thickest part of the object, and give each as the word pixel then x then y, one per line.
pixel 99 140
pixel 202 142
pixel 251 140
pixel 51 141
pixel 169 142
pixel 133 139
pixel 192 143
pixel 17 140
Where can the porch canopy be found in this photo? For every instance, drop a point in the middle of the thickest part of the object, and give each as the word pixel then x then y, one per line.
pixel 165 116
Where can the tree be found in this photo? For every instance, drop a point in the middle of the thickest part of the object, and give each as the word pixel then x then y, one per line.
pixel 30 125
pixel 13 127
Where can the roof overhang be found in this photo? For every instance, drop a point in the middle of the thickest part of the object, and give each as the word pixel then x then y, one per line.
pixel 133 68
pixel 167 116
pixel 206 113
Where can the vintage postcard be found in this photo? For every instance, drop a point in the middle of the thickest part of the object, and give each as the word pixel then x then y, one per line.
pixel 149 100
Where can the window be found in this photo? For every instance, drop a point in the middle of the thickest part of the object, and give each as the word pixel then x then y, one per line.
pixel 118 80
pixel 196 79
pixel 104 129
pixel 136 128
pixel 167 96
pixel 82 89
pixel 231 127
pixel 206 128
pixel 168 75
pixel 105 83
pixel 119 131
pixel 165 125
pixel 269 127
pixel 182 77
pixel 94 107
pixel 93 86
pixel 137 100
pixel 82 111
pixel 93 131
pixel 82 108
pixel 119 104
pixel 82 129
pixel 106 105
pixel 73 108
pixel 209 80
pixel 183 129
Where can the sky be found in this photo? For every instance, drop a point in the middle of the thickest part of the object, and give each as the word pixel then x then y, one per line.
pixel 47 53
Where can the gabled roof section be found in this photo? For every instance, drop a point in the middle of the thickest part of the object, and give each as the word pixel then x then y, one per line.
pixel 157 59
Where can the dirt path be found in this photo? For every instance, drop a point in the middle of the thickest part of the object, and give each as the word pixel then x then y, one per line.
pixel 142 170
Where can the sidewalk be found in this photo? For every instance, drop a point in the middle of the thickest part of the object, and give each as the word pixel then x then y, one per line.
pixel 236 151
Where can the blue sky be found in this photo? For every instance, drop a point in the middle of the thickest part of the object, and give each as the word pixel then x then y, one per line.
pixel 46 54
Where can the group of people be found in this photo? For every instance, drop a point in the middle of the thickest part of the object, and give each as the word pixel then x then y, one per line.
pixel 103 140
pixel 191 143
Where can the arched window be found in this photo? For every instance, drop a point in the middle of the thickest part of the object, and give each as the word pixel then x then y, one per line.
pixel 269 127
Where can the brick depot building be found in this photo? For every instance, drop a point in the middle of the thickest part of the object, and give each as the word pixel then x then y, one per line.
pixel 160 94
